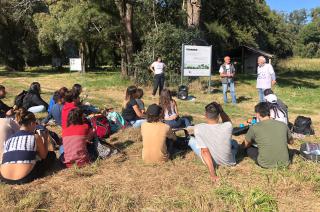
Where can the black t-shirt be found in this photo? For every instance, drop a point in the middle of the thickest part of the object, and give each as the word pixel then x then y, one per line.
pixel 128 112
pixel 3 109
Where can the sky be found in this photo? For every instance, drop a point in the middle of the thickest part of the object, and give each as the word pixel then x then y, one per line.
pixel 290 5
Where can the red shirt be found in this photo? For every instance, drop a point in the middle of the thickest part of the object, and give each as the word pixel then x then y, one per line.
pixel 67 107
pixel 75 139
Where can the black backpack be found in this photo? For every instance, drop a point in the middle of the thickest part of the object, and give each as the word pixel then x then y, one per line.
pixel 303 125
pixel 18 101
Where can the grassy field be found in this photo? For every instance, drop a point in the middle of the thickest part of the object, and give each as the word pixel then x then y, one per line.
pixel 125 183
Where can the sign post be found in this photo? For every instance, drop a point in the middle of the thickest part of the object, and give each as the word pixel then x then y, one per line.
pixel 75 64
pixel 196 61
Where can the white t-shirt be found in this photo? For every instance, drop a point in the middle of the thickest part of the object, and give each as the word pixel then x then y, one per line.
pixel 217 138
pixel 227 68
pixel 158 67
pixel 265 75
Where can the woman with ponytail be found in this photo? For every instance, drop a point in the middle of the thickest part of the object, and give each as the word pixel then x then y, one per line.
pixel 20 163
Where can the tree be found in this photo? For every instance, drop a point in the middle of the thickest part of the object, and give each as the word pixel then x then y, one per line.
pixel 125 8
pixel 18 43
pixel 193 8
pixel 80 22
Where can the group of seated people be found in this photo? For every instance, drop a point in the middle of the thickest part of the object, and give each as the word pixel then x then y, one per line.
pixel 26 151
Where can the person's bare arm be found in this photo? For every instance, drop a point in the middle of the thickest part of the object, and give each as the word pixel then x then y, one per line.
pixel 42 145
pixel 205 153
pixel 138 111
pixel 151 68
pixel 224 116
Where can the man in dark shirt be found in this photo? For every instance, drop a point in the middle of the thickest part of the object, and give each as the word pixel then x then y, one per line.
pixel 5 110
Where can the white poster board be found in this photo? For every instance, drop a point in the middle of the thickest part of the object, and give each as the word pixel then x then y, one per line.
pixel 196 60
pixel 75 64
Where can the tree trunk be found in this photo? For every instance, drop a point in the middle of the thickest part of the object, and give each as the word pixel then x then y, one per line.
pixel 129 38
pixel 82 53
pixel 126 41
pixel 124 69
pixel 193 11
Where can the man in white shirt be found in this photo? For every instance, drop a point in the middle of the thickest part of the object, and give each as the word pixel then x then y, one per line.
pixel 266 77
pixel 227 72
pixel 158 68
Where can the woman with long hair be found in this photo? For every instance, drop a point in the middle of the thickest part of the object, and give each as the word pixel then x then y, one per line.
pixel 170 111
pixel 131 111
pixel 33 101
pixel 20 162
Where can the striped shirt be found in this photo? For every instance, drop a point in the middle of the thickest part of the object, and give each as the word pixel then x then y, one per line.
pixel 20 148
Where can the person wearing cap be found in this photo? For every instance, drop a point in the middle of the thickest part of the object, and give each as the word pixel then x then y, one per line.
pixel 212 140
pixel 227 72
pixel 266 77
pixel 278 110
pixel 156 136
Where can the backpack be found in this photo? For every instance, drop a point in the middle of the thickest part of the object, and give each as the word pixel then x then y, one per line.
pixel 310 151
pixel 18 100
pixel 303 125
pixel 101 125
pixel 116 121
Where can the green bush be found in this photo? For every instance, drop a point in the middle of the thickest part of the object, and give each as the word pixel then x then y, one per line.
pixel 166 41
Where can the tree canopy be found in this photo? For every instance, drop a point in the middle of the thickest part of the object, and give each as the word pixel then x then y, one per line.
pixel 130 33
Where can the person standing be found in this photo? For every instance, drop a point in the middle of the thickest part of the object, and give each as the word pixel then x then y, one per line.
pixel 266 77
pixel 158 68
pixel 227 72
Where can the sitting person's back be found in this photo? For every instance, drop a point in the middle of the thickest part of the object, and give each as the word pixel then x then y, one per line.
pixel 212 141
pixel 76 136
pixel 33 101
pixel 71 101
pixel 271 137
pixel 155 136
pixel 217 138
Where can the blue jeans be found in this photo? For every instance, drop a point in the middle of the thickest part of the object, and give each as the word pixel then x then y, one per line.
pixel 232 92
pixel 180 122
pixel 37 109
pixel 261 94
pixel 196 147
pixel 137 123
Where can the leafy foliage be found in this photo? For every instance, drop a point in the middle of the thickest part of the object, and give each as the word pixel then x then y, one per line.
pixel 166 41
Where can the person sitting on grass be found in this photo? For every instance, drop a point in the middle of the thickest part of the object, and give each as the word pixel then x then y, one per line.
pixel 271 138
pixel 33 101
pixel 8 127
pixel 56 111
pixel 139 95
pixel 170 110
pixel 54 98
pixel 5 110
pixel 131 111
pixel 72 100
pixel 278 110
pixel 212 140
pixel 76 136
pixel 20 162
pixel 157 137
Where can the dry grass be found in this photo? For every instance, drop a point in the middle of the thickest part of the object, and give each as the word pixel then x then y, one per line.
pixel 124 183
